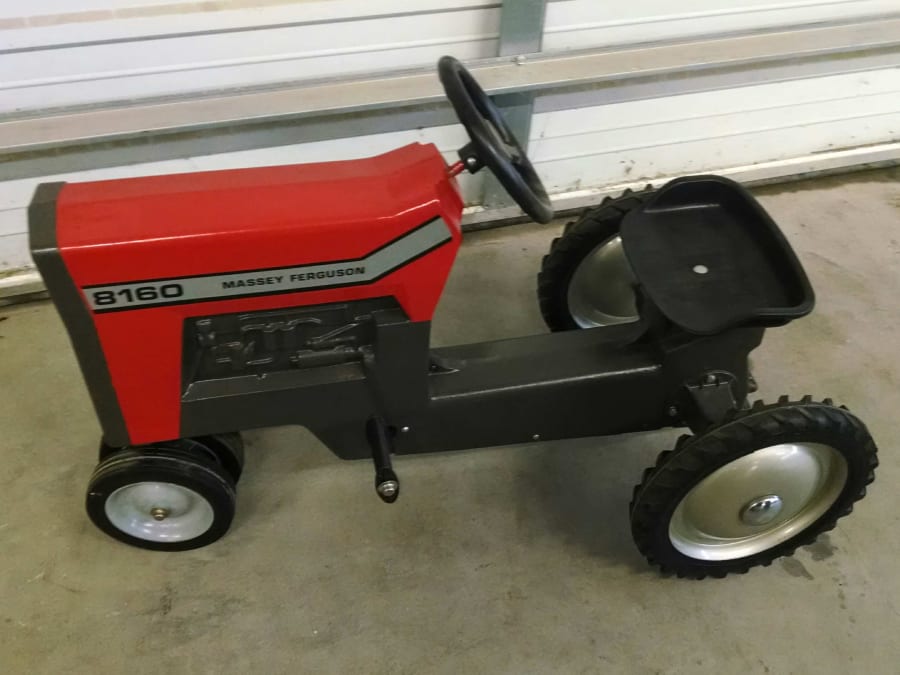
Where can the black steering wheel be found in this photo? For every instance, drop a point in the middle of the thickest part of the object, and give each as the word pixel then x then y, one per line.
pixel 493 143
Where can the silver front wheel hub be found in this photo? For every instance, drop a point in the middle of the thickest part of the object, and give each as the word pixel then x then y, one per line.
pixel 161 512
pixel 758 501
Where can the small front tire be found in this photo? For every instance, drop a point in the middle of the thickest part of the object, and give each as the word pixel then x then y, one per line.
pixel 161 498
pixel 226 449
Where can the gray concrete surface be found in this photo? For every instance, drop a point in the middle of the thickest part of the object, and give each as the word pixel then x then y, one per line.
pixel 511 560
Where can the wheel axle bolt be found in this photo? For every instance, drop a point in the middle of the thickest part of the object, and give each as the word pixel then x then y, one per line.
pixel 762 510
pixel 159 513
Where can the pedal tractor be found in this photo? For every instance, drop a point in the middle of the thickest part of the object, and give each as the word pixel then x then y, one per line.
pixel 203 304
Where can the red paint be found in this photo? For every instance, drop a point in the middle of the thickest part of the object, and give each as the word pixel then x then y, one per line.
pixel 228 221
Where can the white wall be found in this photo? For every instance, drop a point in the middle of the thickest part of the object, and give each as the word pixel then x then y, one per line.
pixel 579 24
pixel 706 131
pixel 52 54
pixel 55 52
pixel 60 53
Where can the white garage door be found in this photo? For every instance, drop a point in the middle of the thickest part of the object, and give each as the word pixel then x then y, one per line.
pixel 55 54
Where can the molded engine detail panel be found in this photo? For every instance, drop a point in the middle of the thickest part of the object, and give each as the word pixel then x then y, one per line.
pixel 260 343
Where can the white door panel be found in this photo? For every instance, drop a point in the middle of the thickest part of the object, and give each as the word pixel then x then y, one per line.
pixel 709 131
pixel 581 24
pixel 94 56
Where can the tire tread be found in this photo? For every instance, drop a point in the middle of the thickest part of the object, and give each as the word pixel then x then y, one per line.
pixel 694 457
pixel 579 238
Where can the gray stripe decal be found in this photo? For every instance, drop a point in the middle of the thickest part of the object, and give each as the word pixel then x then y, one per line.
pixel 141 294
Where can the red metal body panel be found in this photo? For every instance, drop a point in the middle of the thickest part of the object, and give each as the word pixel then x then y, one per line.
pixel 246 219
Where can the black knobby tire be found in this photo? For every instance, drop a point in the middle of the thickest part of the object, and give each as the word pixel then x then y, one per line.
pixel 677 472
pixel 580 237
pixel 167 465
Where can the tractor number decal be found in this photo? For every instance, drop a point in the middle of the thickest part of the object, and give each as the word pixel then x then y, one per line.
pixel 179 290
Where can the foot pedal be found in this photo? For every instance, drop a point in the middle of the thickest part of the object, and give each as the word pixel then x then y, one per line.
pixel 387 485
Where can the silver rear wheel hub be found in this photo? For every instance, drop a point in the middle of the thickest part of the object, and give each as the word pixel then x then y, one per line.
pixel 160 512
pixel 762 510
pixel 601 291
pixel 758 501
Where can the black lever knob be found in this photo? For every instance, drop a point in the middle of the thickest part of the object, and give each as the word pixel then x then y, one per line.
pixel 387 485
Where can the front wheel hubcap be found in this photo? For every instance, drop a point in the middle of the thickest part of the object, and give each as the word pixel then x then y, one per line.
pixel 758 501
pixel 160 512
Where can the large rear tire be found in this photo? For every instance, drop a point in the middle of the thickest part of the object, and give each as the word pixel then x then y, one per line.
pixel 585 280
pixel 752 489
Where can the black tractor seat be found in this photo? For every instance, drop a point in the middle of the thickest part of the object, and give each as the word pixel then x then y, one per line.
pixel 710 258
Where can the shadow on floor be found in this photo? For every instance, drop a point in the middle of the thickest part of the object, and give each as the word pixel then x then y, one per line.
pixel 579 492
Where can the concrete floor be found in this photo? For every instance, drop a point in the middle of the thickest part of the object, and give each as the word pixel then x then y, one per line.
pixel 512 560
